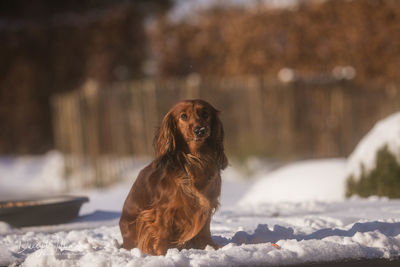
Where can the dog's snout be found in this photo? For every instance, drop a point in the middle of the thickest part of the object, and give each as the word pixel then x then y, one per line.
pixel 199 131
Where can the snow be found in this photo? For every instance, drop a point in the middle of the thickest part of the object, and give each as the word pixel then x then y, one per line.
pixel 313 231
pixel 300 207
pixel 306 229
pixel 293 183
pixel 30 175
pixel 385 132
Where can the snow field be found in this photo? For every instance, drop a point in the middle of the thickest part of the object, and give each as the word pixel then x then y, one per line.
pixel 100 246
pixel 307 231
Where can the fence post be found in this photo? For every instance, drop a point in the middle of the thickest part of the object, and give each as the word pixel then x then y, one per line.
pixel 91 96
pixel 191 88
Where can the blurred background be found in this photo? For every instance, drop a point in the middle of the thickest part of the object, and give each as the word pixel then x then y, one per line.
pixel 91 80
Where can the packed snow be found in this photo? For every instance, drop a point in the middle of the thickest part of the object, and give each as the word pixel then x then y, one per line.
pixel 299 207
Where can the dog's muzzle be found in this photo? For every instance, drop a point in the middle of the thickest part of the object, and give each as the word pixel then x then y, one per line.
pixel 200 131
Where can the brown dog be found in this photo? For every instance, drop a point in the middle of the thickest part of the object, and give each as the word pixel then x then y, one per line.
pixel 172 200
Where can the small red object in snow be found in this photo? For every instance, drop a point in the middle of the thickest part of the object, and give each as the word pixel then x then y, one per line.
pixel 276 246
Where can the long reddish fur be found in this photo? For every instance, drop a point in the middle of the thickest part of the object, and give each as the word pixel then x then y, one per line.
pixel 172 200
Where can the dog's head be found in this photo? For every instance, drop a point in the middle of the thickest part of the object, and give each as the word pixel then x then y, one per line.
pixel 191 123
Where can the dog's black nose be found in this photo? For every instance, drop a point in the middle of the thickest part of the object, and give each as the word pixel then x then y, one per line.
pixel 199 131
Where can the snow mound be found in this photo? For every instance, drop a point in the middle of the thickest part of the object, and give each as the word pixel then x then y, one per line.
pixel 385 132
pixel 31 174
pixel 318 180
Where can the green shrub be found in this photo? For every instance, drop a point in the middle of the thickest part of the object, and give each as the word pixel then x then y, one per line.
pixel 384 180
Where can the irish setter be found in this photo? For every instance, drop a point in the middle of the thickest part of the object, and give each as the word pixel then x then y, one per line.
pixel 172 200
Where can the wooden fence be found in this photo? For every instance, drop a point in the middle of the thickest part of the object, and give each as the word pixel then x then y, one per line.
pixel 95 127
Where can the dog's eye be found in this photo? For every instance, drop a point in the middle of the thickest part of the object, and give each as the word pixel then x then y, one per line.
pixel 204 114
pixel 184 116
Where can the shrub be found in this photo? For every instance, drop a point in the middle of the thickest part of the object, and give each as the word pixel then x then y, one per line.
pixel 313 39
pixel 384 180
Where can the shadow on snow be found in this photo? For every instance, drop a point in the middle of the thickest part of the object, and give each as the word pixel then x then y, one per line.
pixel 263 235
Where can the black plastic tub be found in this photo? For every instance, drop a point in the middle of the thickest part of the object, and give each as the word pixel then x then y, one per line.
pixel 41 211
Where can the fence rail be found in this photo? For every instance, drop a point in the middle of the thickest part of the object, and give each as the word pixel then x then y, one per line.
pixel 95 126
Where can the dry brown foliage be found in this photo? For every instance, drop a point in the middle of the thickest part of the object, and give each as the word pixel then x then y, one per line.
pixel 312 38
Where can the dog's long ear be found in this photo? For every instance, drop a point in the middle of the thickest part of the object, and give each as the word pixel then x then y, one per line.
pixel 165 139
pixel 218 140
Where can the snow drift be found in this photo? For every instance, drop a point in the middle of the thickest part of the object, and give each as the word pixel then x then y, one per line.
pixel 321 180
pixel 385 132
